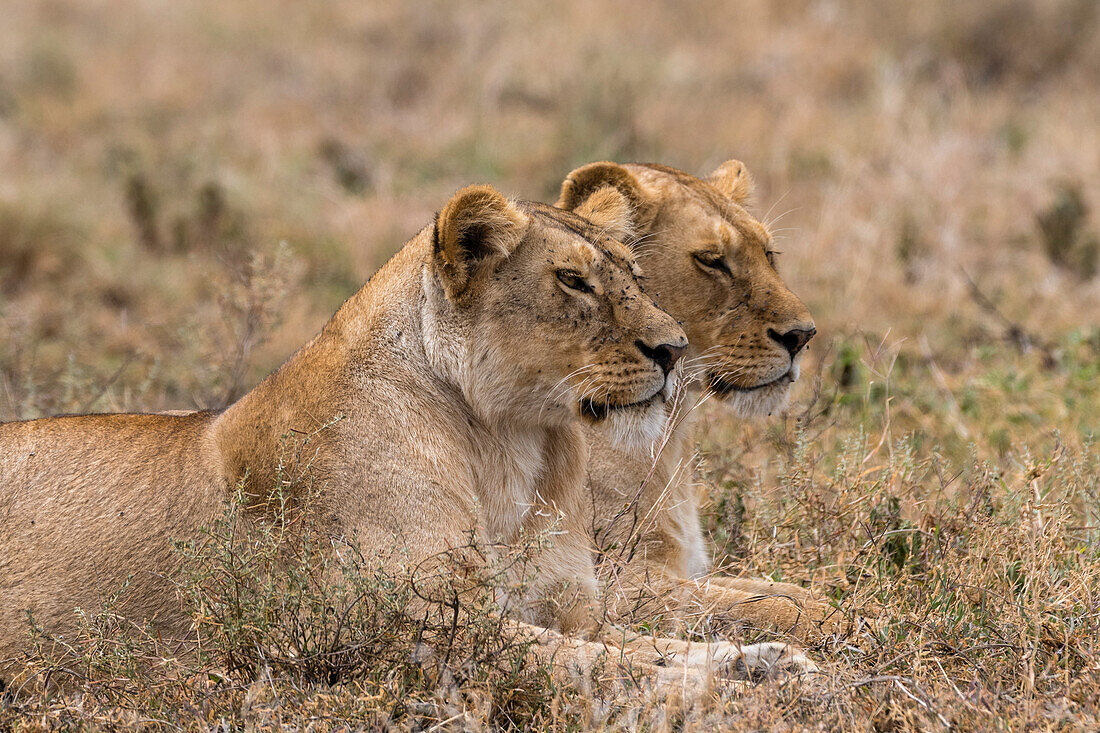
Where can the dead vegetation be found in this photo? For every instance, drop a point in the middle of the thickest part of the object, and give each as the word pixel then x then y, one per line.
pixel 286 636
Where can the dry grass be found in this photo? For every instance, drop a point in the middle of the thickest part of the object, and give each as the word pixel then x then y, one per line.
pixel 286 636
pixel 930 172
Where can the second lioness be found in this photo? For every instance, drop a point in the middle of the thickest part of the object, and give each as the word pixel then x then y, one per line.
pixel 709 263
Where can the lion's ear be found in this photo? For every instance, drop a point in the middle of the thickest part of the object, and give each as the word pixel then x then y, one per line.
pixel 587 180
pixel 734 180
pixel 610 211
pixel 475 231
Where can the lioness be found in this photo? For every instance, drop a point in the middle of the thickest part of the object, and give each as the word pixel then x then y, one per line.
pixel 445 397
pixel 710 264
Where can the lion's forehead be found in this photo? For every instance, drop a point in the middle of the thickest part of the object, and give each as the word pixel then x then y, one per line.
pixel 619 254
pixel 686 192
pixel 586 244
pixel 748 232
pixel 753 231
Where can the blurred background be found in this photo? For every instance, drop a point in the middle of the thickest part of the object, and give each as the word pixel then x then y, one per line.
pixel 188 190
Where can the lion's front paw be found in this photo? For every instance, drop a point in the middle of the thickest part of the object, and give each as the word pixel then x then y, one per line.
pixel 768 660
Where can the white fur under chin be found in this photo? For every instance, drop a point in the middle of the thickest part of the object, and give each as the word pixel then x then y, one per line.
pixel 759 402
pixel 641 430
pixel 637 430
pixel 765 401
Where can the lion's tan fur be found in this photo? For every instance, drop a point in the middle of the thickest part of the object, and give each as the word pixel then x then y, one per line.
pixel 645 511
pixel 444 401
pixel 410 381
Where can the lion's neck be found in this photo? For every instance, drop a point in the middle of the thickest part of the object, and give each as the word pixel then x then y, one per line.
pixel 512 451
pixel 319 388
pixel 644 499
pixel 386 364
pixel 682 522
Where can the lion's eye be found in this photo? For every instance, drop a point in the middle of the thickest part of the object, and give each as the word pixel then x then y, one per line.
pixel 573 281
pixel 712 261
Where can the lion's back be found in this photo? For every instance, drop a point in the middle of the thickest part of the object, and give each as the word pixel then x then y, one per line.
pixel 70 487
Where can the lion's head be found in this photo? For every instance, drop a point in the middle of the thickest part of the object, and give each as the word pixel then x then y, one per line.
pixel 545 318
pixel 711 265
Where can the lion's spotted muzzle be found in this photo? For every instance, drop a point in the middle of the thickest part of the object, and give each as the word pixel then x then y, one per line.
pixel 751 400
pixel 792 342
pixel 665 356
pixel 597 409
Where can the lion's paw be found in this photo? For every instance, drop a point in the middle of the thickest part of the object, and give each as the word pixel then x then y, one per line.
pixel 756 662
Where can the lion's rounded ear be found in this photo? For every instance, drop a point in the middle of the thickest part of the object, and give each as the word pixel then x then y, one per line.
pixel 587 180
pixel 476 230
pixel 610 211
pixel 734 180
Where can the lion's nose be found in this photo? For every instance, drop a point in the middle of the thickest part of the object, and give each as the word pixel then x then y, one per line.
pixel 794 340
pixel 666 355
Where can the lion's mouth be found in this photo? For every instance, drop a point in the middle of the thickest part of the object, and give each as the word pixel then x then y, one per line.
pixel 597 411
pixel 720 386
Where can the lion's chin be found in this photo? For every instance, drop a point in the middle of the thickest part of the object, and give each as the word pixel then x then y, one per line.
pixel 638 429
pixel 633 426
pixel 754 402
